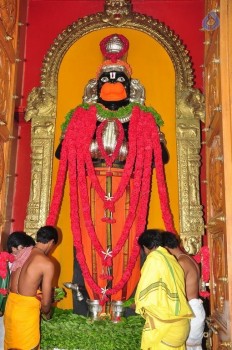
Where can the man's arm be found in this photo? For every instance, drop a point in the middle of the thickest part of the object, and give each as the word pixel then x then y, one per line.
pixel 46 301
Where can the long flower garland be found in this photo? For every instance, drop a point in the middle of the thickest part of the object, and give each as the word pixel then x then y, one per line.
pixel 143 141
pixel 5 258
pixel 203 258
pixel 110 204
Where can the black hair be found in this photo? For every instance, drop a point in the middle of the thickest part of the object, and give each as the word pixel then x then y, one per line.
pixel 18 238
pixel 170 240
pixel 47 233
pixel 151 238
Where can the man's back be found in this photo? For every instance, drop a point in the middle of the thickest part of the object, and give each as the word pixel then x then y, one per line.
pixel 162 273
pixel 160 296
pixel 192 275
pixel 31 270
pixel 27 280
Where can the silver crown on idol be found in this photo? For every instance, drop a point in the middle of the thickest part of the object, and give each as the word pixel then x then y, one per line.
pixel 114 49
pixel 114 44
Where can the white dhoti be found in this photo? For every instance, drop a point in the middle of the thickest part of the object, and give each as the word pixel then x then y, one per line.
pixel 197 325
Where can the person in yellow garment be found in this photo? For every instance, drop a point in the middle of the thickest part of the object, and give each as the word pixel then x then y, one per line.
pixel 160 296
pixel 192 281
pixel 31 271
pixel 16 242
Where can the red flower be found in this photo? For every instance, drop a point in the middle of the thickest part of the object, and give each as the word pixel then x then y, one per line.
pixel 203 258
pixel 3 291
pixel 5 257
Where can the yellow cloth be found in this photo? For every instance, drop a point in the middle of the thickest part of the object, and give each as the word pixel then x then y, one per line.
pixel 22 322
pixel 160 299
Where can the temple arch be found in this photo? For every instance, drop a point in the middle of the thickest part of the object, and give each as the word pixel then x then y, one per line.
pixel 42 111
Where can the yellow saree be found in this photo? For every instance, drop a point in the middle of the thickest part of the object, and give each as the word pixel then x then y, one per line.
pixel 21 321
pixel 160 299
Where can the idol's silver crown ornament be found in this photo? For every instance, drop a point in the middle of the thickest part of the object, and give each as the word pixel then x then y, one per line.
pixel 114 44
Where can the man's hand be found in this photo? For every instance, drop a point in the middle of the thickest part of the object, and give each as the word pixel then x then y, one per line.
pixel 46 316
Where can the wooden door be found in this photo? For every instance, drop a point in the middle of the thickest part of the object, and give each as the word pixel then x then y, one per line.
pixel 218 39
pixel 8 62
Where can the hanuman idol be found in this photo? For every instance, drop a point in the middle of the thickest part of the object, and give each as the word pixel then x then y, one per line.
pixel 110 145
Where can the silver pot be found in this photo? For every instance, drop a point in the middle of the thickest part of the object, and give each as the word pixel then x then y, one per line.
pixel 94 309
pixel 117 310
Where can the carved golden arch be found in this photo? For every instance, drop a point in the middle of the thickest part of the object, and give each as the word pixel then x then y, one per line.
pixel 41 110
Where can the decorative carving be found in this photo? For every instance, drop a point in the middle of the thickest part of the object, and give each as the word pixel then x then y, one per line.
pixel 5 78
pixel 216 177
pixel 118 12
pixel 40 103
pixel 218 276
pixel 137 92
pixel 136 21
pixel 214 90
pixel 41 110
pixel 90 93
pixel 190 109
pixel 8 15
pixel 226 344
pixel 2 165
pixel 192 244
pixel 191 104
pixel 8 39
pixel 43 129
pixel 189 112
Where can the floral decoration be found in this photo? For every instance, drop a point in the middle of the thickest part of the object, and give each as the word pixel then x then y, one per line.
pixel 5 257
pixel 3 291
pixel 118 114
pixel 144 144
pixel 203 258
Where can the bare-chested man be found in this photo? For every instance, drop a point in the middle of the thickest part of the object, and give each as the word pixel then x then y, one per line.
pixel 31 271
pixel 192 279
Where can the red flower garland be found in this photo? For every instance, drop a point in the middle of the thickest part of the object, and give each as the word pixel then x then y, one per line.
pixel 143 141
pixel 3 291
pixel 203 258
pixel 5 257
pixel 162 187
